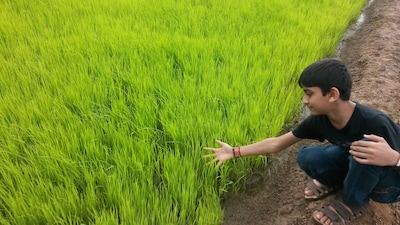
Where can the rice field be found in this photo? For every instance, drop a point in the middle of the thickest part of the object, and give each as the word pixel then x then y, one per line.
pixel 105 106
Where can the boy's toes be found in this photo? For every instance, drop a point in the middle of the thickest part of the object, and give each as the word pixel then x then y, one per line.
pixel 322 218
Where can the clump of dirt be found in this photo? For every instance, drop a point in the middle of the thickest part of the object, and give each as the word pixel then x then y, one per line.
pixel 372 54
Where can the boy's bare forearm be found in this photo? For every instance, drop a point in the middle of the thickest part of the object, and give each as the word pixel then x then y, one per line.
pixel 269 145
pixel 260 148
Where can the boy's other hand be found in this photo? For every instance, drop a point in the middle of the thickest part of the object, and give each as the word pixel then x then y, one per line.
pixel 376 151
pixel 221 154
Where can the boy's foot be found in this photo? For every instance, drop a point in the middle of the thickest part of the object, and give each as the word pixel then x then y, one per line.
pixel 337 213
pixel 315 190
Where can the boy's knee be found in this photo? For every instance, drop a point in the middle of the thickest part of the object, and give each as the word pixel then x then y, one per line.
pixel 303 156
pixel 315 156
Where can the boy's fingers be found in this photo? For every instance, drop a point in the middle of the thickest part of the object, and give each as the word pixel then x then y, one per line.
pixel 359 154
pixel 208 156
pixel 220 142
pixel 213 155
pixel 360 160
pixel 373 137
pixel 210 149
pixel 215 149
pixel 362 143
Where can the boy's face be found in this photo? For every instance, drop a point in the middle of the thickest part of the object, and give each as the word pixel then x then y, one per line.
pixel 315 101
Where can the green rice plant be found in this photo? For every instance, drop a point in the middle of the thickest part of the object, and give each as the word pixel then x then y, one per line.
pixel 106 105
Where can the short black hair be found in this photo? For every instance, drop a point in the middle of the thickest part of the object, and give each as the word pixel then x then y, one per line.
pixel 328 73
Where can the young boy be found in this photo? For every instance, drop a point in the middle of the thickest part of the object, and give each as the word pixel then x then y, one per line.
pixel 335 118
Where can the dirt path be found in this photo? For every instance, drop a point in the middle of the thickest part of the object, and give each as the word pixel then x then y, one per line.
pixel 372 53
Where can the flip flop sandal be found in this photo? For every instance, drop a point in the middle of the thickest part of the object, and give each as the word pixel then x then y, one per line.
pixel 339 214
pixel 319 192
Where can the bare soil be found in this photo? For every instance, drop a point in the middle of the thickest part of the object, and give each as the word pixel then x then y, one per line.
pixel 372 53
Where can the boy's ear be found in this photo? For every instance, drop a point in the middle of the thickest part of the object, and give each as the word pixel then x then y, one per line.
pixel 334 94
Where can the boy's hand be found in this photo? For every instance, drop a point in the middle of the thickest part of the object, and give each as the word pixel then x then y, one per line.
pixel 375 152
pixel 220 154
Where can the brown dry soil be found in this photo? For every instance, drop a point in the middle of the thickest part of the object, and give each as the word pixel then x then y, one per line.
pixel 372 54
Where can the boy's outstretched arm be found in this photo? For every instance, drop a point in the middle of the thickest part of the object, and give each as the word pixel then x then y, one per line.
pixel 376 152
pixel 269 145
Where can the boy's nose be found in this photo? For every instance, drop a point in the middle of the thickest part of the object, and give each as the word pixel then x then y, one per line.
pixel 305 100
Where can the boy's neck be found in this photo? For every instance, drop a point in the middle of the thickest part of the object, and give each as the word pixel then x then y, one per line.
pixel 342 114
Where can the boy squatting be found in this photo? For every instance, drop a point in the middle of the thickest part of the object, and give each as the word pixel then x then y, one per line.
pixel 362 169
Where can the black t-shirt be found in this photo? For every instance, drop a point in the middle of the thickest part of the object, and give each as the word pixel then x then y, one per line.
pixel 364 120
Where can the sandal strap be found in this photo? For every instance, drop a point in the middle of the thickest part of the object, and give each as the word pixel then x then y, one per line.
pixel 342 210
pixel 332 215
pixel 317 190
pixel 339 213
